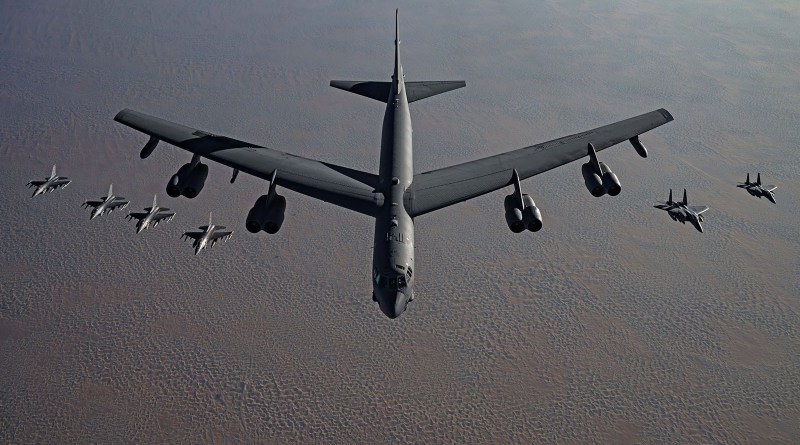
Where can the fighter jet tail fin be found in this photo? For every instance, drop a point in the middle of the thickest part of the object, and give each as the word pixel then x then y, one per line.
pixel 685 200
pixel 758 179
pixel 155 201
pixel 111 190
pixel 53 173
pixel 670 201
pixel 747 181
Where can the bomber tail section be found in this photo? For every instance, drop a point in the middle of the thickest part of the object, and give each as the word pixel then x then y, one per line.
pixel 415 91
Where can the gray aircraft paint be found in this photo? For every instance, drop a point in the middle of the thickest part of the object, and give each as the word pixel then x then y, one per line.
pixel 151 216
pixel 396 195
pixel 50 184
pixel 106 204
pixel 681 211
pixel 759 190
pixel 208 235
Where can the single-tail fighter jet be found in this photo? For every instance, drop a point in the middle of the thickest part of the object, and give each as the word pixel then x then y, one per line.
pixel 396 197
pixel 682 211
pixel 207 236
pixel 106 204
pixel 757 189
pixel 151 216
pixel 54 182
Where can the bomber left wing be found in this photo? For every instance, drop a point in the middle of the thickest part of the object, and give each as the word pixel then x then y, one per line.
pixel 440 188
pixel 346 187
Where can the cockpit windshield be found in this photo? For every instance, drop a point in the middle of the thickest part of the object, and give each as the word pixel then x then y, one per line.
pixel 391 282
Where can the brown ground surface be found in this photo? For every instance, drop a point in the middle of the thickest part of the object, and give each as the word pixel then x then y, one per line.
pixel 613 324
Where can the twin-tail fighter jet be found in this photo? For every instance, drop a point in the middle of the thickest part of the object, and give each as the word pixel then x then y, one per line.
pixel 207 236
pixel 106 204
pixel 151 216
pixel 54 182
pixel 682 211
pixel 396 196
pixel 757 189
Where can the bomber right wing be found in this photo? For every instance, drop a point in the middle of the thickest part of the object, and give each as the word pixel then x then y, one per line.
pixel 440 188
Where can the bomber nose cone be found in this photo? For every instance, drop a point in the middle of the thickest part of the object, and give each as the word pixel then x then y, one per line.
pixel 393 305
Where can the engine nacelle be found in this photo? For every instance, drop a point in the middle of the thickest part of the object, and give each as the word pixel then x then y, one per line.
pixel 610 181
pixel 592 180
pixel 196 181
pixel 514 217
pixel 268 218
pixel 275 215
pixel 188 181
pixel 255 218
pixel 520 219
pixel 531 215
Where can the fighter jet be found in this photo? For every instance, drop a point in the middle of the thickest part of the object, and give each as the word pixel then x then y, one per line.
pixel 106 204
pixel 151 216
pixel 208 236
pixel 50 184
pixel 394 197
pixel 682 211
pixel 756 189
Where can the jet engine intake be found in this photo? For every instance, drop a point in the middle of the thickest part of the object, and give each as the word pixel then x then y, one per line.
pixel 529 217
pixel 275 214
pixel 188 181
pixel 592 180
pixel 610 181
pixel 266 215
pixel 514 217
pixel 531 214
pixel 256 215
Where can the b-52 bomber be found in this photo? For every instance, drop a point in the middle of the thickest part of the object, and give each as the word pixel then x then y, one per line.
pixel 54 182
pixel 106 204
pixel 151 216
pixel 395 196
pixel 757 189
pixel 682 211
pixel 207 236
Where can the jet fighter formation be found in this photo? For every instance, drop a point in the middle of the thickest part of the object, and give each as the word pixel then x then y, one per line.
pixel 149 218
pixel 396 195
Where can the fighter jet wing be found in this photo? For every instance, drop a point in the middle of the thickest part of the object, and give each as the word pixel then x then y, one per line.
pixel 92 203
pixel 220 236
pixel 698 209
pixel 36 183
pixel 163 216
pixel 192 235
pixel 60 182
pixel 440 188
pixel 345 187
pixel 117 204
pixel 769 188
pixel 136 215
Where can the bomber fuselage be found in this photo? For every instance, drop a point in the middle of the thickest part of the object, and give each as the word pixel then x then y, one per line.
pixel 393 254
